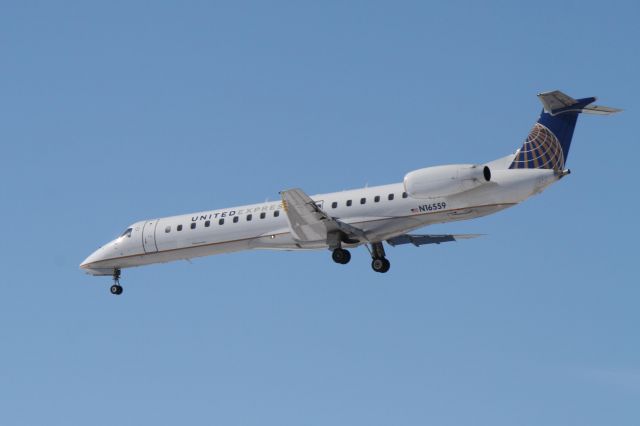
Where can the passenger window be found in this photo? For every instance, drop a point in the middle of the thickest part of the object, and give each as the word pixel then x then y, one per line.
pixel 363 200
pixel 376 199
pixel 207 223
pixel 276 213
pixel 390 197
pixel 179 227
pixel 334 205
pixel 249 217
pixel 405 195
pixel 167 229
pixel 221 222
pixel 193 225
pixel 263 215
pixel 236 219
pixel 348 203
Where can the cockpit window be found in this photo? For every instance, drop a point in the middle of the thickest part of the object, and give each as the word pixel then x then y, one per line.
pixel 127 233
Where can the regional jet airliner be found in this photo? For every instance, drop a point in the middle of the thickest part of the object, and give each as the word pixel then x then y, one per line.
pixel 368 217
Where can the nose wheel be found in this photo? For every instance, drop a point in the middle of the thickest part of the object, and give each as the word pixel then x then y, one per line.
pixel 116 288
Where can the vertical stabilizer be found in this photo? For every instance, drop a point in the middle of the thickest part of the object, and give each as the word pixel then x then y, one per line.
pixel 547 146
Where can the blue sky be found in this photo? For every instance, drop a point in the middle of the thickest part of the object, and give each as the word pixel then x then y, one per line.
pixel 120 111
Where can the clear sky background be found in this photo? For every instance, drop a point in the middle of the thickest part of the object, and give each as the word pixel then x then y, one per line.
pixel 119 111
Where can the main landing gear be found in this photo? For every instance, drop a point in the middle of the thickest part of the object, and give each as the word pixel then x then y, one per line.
pixel 379 262
pixel 381 265
pixel 341 256
pixel 116 288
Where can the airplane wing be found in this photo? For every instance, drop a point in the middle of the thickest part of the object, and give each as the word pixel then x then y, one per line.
pixel 420 240
pixel 310 223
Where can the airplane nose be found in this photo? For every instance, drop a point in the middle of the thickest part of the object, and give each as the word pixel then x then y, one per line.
pixel 91 265
pixel 85 263
pixel 92 258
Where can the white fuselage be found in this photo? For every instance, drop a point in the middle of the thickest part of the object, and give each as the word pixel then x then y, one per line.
pixel 382 211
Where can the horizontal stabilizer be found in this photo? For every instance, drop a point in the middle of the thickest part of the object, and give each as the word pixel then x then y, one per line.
pixel 557 102
pixel 420 240
pixel 600 110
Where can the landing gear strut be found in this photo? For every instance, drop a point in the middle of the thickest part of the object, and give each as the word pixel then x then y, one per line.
pixel 116 288
pixel 379 262
pixel 341 256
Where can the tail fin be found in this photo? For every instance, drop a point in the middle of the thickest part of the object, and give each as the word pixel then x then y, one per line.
pixel 547 145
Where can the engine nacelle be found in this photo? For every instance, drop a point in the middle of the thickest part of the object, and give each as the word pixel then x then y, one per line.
pixel 439 181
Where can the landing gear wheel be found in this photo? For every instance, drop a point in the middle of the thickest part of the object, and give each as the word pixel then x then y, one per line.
pixel 379 262
pixel 341 256
pixel 381 265
pixel 116 288
pixel 387 265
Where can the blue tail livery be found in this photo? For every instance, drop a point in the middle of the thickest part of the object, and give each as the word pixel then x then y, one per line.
pixel 547 145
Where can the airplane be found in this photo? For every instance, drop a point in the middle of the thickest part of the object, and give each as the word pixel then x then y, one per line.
pixel 369 216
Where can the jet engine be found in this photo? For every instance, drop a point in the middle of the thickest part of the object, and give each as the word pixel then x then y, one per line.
pixel 451 179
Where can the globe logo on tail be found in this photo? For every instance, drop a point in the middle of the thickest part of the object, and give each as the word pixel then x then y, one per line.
pixel 541 150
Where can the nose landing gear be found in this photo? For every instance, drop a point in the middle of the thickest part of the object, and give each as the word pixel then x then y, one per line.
pixel 116 288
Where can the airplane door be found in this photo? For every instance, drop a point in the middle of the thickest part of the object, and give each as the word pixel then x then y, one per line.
pixel 149 236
